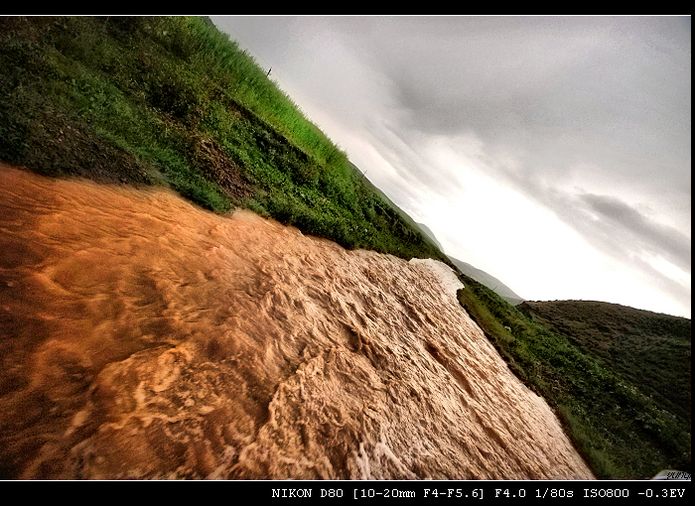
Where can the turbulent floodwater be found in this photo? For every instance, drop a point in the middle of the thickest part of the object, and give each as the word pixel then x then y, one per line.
pixel 142 337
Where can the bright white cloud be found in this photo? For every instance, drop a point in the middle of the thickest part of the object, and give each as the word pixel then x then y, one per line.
pixel 552 153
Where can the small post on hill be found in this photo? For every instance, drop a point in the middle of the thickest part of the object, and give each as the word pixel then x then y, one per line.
pixel 269 69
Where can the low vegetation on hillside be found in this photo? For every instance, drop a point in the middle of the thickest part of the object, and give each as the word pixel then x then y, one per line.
pixel 173 101
pixel 645 348
pixel 614 418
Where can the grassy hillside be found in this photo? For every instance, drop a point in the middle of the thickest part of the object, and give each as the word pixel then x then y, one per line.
pixel 647 349
pixel 172 101
pixel 615 420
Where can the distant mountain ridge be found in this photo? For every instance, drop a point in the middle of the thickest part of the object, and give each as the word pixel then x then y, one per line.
pixel 480 276
pixel 430 235
pixel 489 281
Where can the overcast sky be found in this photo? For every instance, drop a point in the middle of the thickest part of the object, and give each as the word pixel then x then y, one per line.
pixel 551 152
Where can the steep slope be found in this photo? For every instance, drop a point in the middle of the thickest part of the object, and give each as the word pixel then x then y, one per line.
pixel 620 427
pixel 173 102
pixel 650 350
pixel 489 281
pixel 145 337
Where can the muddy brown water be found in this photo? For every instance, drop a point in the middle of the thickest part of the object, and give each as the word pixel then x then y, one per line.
pixel 141 337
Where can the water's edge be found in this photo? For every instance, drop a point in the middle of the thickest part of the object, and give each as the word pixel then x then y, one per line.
pixel 141 337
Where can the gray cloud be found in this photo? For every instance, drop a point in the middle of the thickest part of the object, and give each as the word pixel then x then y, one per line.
pixel 412 168
pixel 626 234
pixel 588 116
pixel 557 92
pixel 649 235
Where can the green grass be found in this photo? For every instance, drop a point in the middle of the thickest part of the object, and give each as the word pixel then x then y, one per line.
pixel 172 101
pixel 648 349
pixel 614 421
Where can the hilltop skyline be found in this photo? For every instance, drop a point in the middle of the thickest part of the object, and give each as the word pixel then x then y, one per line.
pixel 553 153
